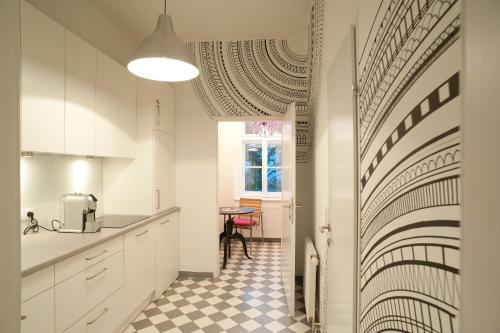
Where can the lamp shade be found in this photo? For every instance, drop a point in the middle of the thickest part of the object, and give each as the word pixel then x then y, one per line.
pixel 163 56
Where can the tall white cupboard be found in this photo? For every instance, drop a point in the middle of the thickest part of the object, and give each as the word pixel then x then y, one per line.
pixel 145 185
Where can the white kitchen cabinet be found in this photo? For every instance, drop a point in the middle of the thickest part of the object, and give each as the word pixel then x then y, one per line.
pixel 115 109
pixel 86 259
pixel 79 294
pixel 37 313
pixel 80 102
pixel 139 266
pixel 104 318
pixel 146 184
pixel 166 252
pixel 163 175
pixel 42 83
pixel 37 283
pixel 163 107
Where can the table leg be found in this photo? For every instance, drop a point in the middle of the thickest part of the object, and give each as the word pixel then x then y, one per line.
pixel 221 237
pixel 243 241
pixel 226 242
pixel 228 230
pixel 226 237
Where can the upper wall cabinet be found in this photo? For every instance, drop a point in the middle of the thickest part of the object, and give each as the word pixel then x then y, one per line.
pixel 43 82
pixel 164 107
pixel 115 109
pixel 80 101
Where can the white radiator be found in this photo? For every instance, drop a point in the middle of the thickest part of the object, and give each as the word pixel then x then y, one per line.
pixel 310 266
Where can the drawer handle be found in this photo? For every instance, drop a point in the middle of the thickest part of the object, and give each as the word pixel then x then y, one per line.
pixel 142 233
pixel 162 223
pixel 98 317
pixel 97 274
pixel 96 256
pixel 23 317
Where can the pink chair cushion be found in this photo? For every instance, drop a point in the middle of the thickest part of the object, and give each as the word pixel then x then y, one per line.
pixel 242 222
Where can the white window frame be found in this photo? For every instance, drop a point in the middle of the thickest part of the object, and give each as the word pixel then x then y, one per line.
pixel 264 141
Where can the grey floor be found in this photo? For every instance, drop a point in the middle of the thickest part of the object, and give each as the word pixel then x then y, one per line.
pixel 247 297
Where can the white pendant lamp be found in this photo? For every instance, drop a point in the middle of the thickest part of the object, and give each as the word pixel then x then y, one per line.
pixel 163 56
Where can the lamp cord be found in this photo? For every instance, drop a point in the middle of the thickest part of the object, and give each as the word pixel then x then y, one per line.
pixel 165 7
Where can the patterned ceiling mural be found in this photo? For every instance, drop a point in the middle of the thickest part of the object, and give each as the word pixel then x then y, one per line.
pixel 259 78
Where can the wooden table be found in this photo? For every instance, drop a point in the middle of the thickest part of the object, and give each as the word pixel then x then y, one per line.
pixel 229 230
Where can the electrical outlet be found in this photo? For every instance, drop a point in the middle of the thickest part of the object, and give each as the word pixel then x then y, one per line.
pixel 24 213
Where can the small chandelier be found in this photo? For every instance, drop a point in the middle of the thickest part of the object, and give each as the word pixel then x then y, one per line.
pixel 265 128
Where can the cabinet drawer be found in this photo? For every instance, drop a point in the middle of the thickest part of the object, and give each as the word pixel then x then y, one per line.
pixel 82 292
pixel 104 318
pixel 37 283
pixel 37 314
pixel 86 259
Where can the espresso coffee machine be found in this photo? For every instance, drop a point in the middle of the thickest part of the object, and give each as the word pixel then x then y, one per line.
pixel 77 213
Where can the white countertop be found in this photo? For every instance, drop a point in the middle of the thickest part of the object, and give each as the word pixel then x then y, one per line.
pixel 43 249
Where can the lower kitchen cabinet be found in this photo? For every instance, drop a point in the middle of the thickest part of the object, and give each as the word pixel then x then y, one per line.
pixel 104 318
pixel 139 266
pixel 100 289
pixel 166 252
pixel 37 313
pixel 79 294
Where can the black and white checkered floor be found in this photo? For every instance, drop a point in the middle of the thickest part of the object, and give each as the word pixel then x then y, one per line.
pixel 248 297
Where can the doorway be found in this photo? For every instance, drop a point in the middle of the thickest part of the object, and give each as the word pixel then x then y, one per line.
pixel 256 162
pixel 249 172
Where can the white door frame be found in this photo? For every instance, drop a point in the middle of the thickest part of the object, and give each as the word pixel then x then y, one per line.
pixel 10 237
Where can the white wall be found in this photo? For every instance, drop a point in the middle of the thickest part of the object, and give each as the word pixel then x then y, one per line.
pixel 10 262
pixel 480 227
pixel 195 182
pixel 229 158
pixel 44 178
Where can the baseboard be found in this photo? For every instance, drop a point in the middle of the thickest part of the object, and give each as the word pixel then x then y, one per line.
pixel 266 240
pixel 196 274
pixel 133 316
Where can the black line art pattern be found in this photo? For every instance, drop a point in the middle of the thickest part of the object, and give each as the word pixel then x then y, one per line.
pixel 252 78
pixel 409 148
pixel 261 77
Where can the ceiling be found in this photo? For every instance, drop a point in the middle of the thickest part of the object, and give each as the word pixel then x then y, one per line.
pixel 212 19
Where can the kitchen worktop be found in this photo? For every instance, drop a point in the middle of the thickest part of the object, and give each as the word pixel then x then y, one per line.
pixel 43 249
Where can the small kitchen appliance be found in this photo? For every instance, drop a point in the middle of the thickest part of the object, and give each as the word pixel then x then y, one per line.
pixel 77 213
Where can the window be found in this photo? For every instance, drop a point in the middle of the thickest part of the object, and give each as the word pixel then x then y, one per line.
pixel 261 160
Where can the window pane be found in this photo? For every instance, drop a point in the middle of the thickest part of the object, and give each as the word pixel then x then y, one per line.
pixel 274 155
pixel 273 180
pixel 253 154
pixel 253 179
